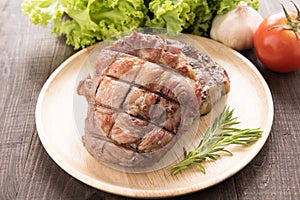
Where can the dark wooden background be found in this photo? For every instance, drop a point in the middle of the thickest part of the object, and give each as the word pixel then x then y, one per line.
pixel 29 54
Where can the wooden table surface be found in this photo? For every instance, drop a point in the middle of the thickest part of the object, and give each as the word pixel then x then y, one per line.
pixel 29 54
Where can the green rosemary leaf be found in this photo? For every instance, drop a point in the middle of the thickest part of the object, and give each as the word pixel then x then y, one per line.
pixel 231 129
pixel 220 134
pixel 213 156
pixel 201 167
pixel 228 152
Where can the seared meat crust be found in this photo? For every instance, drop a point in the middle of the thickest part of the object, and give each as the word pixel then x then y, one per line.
pixel 146 92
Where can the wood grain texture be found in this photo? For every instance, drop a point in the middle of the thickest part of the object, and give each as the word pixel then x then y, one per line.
pixel 277 164
pixel 57 128
pixel 29 54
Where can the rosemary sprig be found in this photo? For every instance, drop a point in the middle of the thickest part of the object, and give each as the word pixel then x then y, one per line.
pixel 222 133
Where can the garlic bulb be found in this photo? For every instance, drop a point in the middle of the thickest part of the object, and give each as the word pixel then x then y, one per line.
pixel 236 28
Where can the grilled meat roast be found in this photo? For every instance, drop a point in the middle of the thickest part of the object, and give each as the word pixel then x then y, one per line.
pixel 146 92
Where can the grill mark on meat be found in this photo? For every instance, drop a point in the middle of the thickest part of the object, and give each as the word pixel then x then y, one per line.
pixel 172 125
pixel 110 152
pixel 105 121
pixel 153 48
pixel 155 140
pixel 140 102
pixel 101 137
pixel 118 110
pixel 207 70
pixel 132 81
pixel 161 90
pixel 125 146
pixel 103 60
pixel 111 92
pixel 167 114
pixel 106 139
pixel 125 67
pixel 132 84
pixel 132 136
pixel 94 132
pixel 153 108
pixel 145 88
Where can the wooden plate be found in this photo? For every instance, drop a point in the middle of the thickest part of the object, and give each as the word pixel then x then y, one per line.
pixel 249 96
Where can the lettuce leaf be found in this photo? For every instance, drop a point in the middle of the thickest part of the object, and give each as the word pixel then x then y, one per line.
pixel 84 22
pixel 172 15
pixel 191 16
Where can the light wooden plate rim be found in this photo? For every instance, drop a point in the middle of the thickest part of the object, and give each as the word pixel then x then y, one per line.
pixel 211 47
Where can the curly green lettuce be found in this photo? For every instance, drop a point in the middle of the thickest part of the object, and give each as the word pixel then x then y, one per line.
pixel 177 15
pixel 191 16
pixel 172 15
pixel 85 22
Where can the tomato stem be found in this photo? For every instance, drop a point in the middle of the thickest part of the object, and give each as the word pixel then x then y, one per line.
pixel 286 14
pixel 292 25
pixel 298 11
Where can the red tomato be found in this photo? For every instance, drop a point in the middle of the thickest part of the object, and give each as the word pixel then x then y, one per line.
pixel 278 49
